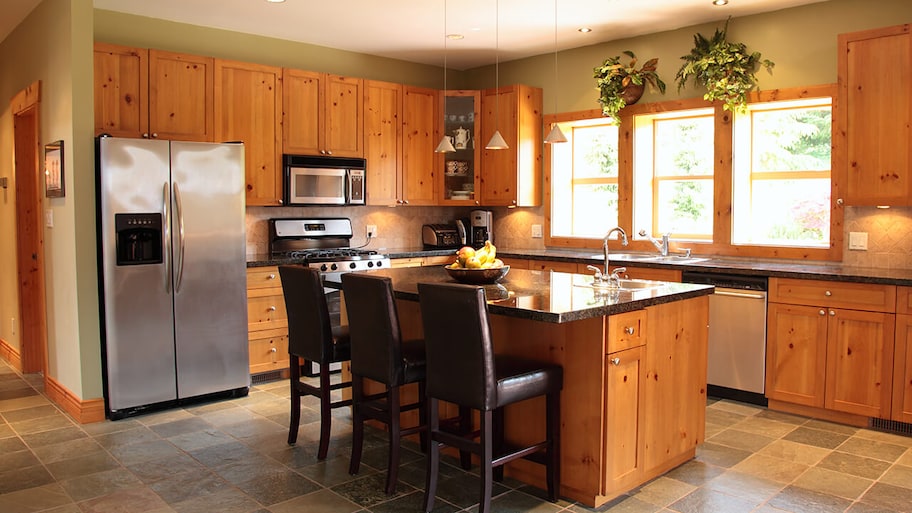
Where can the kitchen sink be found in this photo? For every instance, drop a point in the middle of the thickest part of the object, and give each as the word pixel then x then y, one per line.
pixel 623 284
pixel 671 259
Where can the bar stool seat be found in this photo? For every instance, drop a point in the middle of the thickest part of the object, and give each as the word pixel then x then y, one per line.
pixel 312 336
pixel 463 369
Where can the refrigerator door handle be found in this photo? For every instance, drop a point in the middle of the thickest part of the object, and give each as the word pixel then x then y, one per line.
pixel 180 237
pixel 167 236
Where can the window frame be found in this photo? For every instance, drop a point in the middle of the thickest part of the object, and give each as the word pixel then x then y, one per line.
pixel 721 244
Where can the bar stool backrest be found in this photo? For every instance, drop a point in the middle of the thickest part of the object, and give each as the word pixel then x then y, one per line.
pixel 309 327
pixel 373 324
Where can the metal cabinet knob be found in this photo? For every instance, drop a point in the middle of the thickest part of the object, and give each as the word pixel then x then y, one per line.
pixel 822 312
pixel 271 277
pixel 828 293
pixel 273 350
pixel 833 313
pixel 629 330
pixel 616 361
pixel 272 308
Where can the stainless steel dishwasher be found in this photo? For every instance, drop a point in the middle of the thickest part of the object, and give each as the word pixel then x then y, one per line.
pixel 736 367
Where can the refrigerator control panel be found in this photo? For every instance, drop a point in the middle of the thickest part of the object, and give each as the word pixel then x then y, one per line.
pixel 138 238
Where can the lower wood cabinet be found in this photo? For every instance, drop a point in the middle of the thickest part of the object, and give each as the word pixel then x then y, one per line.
pixel 902 357
pixel 267 320
pixel 828 355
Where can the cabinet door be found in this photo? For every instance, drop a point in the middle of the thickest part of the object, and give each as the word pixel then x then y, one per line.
pixel 302 115
pixel 902 370
pixel 419 162
pixel 875 76
pixel 343 104
pixel 459 181
pixel 859 370
pixel 121 85
pixel 498 175
pixel 181 96
pixel 624 444
pixel 383 141
pixel 796 344
pixel 248 100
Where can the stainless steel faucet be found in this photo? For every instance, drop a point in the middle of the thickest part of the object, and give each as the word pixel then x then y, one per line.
pixel 623 236
pixel 661 246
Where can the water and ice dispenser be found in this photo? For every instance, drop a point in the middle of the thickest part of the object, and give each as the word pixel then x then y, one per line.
pixel 138 238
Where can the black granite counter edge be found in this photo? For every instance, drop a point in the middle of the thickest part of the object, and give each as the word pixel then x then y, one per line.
pixel 810 271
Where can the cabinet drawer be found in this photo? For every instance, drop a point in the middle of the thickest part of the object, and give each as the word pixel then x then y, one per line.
pixel 836 294
pixel 266 311
pixel 515 263
pixel 439 259
pixel 268 350
pixel 263 277
pixel 904 300
pixel 553 265
pixel 626 330
pixel 650 273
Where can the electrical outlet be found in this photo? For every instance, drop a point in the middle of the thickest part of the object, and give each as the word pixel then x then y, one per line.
pixel 12 325
pixel 371 230
pixel 536 231
pixel 858 241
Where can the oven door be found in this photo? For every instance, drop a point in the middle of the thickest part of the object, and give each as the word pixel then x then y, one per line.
pixel 315 186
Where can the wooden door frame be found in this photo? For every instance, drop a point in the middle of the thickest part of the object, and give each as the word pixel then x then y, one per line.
pixel 30 270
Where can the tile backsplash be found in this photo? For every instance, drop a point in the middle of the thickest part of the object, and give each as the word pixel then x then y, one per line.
pixel 889 230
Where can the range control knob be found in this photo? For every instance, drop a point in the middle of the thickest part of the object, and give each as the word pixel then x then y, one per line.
pixel 323 267
pixel 370 264
pixel 379 263
pixel 334 267
pixel 352 265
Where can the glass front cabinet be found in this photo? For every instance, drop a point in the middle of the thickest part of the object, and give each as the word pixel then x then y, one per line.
pixel 461 123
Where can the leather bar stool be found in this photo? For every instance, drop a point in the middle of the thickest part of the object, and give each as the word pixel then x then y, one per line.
pixel 311 336
pixel 380 354
pixel 463 369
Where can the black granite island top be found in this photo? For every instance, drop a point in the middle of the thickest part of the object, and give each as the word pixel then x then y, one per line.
pixel 545 296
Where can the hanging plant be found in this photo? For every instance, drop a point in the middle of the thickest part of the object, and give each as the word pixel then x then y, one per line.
pixel 727 70
pixel 620 85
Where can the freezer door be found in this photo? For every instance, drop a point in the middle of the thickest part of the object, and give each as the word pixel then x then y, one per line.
pixel 209 245
pixel 138 317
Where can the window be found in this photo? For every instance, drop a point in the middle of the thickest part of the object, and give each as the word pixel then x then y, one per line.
pixel 781 174
pixel 584 196
pixel 673 174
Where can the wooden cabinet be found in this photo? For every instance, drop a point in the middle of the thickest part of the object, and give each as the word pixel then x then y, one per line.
pixel 553 265
pixel 267 320
pixel 322 114
pixel 874 113
pixel 248 103
pixel 625 374
pixel 153 94
pixel 383 142
pixel 459 179
pixel 419 139
pixel 902 357
pixel 649 273
pixel 830 345
pixel 512 177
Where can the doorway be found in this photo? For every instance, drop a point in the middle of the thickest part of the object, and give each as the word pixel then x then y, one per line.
pixel 29 230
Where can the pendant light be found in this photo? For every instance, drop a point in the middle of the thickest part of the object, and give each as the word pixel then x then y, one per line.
pixel 556 135
pixel 497 141
pixel 446 145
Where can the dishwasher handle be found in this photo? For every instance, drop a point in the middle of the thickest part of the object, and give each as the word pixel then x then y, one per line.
pixel 738 293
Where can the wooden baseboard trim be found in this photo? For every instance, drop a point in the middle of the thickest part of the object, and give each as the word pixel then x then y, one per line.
pixel 819 413
pixel 85 412
pixel 11 355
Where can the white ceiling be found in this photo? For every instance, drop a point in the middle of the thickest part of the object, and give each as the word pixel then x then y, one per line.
pixel 413 30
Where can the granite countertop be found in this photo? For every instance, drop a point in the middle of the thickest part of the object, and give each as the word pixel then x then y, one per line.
pixel 753 267
pixel 544 296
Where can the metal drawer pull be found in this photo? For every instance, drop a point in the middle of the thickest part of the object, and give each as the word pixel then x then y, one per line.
pixel 739 294
pixel 629 330
pixel 272 276
pixel 616 361
pixel 828 293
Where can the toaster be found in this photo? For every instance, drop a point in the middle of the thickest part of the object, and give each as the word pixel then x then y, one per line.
pixel 440 236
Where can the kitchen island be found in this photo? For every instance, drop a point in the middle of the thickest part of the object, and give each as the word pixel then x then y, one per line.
pixel 634 360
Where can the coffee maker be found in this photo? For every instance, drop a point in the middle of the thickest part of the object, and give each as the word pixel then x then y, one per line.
pixel 482 222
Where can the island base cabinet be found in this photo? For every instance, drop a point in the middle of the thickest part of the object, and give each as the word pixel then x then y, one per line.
pixel 625 374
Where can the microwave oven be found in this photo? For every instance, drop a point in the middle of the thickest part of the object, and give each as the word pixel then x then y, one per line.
pixel 312 180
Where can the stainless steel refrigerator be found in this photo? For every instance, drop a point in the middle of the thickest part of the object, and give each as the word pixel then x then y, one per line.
pixel 173 271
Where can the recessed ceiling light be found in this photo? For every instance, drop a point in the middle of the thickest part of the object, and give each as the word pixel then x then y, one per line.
pixel 584 30
pixel 455 37
pixel 720 2
pixel 275 1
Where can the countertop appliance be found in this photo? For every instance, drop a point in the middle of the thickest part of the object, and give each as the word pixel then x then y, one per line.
pixel 313 180
pixel 323 243
pixel 482 227
pixel 440 236
pixel 171 236
pixel 736 363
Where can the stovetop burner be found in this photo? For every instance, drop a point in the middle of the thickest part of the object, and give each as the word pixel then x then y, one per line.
pixel 331 254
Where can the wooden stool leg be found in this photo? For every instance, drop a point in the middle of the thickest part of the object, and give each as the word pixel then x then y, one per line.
pixel 357 424
pixel 325 412
pixel 433 455
pixel 294 371
pixel 395 434
pixel 487 456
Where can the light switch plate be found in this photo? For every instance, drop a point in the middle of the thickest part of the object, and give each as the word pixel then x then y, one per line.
pixel 49 218
pixel 536 231
pixel 858 241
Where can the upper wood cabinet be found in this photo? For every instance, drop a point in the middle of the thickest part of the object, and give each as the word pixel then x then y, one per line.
pixel 383 142
pixel 512 177
pixel 322 114
pixel 875 114
pixel 459 179
pixel 419 139
pixel 248 103
pixel 153 94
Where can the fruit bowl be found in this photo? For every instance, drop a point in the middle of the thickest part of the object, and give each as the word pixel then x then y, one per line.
pixel 478 276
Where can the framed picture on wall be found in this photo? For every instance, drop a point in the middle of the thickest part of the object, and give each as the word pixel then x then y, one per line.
pixel 53 170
